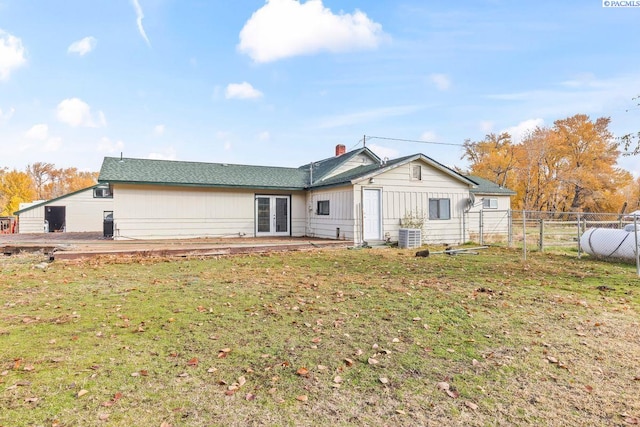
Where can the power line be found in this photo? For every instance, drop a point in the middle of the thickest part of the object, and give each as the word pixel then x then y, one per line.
pixel 411 140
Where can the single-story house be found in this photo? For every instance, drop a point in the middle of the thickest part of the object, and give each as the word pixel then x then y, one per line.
pixel 86 210
pixel 353 195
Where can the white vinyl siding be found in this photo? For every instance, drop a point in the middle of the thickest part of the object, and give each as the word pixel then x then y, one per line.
pixel 83 213
pixel 148 212
pixel 341 215
pixel 359 160
pixel 402 196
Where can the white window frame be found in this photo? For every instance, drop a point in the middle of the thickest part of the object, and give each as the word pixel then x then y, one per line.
pixel 489 203
pixel 322 211
pixel 414 169
pixel 441 213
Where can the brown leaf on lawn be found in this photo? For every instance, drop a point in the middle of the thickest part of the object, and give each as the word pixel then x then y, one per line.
pixel 165 424
pixel 452 393
pixel 250 396
pixel 28 368
pixel 348 362
pixel 302 371
pixel 373 361
pixel 17 363
pixel 552 359
pixel 316 340
pixel 302 398
pixel 337 379
pixel 383 380
pixel 193 362
pixel 201 309
pixel 82 392
pixel 632 420
pixel 443 385
pixel 230 392
pixel 103 417
pixel 471 405
pixel 144 372
pixel 31 399
pixel 588 388
pixel 242 381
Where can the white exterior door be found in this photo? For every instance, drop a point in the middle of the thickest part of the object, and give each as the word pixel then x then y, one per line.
pixel 372 214
pixel 273 215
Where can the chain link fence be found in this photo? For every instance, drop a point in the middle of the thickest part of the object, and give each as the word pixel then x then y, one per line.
pixel 601 235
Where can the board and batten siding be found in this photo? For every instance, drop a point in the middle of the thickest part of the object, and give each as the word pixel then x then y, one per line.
pixel 148 212
pixel 339 223
pixel 402 195
pixel 83 213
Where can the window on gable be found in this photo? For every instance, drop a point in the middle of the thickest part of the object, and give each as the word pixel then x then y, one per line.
pixel 416 172
pixel 439 209
pixel 323 207
pixel 102 192
pixel 489 203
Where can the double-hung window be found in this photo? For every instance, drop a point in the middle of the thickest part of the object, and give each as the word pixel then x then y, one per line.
pixel 439 209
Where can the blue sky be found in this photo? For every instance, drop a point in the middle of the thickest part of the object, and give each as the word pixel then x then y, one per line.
pixel 281 82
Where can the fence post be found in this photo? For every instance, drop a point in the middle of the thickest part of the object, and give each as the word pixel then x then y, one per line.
pixel 524 234
pixel 635 232
pixel 481 227
pixel 579 235
pixel 509 229
pixel 541 244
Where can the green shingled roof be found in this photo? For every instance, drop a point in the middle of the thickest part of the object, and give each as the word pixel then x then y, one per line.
pixel 324 167
pixel 147 171
pixel 489 187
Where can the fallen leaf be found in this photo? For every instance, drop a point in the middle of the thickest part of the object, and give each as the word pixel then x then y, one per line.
pixel 396 340
pixel 471 405
pixel 165 424
pixel 316 340
pixel 552 359
pixel 302 371
pixel 31 399
pixel 348 362
pixel 632 420
pixel 242 381
pixel 588 388
pixel 474 362
pixel 82 392
pixel 373 361
pixel 443 385
pixel 250 396
pixel 383 380
pixel 211 370
pixel 302 398
pixel 337 379
pixel 452 393
pixel 322 368
pixel 400 412
pixel 103 417
pixel 193 362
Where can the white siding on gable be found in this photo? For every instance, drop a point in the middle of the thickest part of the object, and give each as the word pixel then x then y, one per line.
pixel 148 212
pixel 404 196
pixel 83 213
pixel 359 160
pixel 340 214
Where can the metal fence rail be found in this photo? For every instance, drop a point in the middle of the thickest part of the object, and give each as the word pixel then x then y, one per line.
pixel 607 235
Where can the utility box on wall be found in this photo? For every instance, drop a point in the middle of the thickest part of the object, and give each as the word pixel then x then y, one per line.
pixel 409 238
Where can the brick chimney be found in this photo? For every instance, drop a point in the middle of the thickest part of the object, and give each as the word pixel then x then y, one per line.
pixel 340 150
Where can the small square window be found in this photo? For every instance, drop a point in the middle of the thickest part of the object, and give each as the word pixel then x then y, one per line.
pixel 488 203
pixel 323 207
pixel 102 192
pixel 416 172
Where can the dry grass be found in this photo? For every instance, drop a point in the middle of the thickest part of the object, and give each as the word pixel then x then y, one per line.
pixel 553 341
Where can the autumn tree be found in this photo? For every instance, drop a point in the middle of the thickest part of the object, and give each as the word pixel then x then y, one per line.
pixel 15 188
pixel 492 158
pixel 42 174
pixel 568 167
pixel 631 141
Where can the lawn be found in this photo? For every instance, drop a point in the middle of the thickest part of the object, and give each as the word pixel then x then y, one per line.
pixel 326 337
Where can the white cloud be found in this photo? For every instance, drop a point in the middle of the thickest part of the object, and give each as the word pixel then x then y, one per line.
pixel 367 116
pixel 441 81
pixel 383 152
pixel 286 28
pixel 242 90
pixel 168 153
pixel 83 46
pixel 158 130
pixel 428 136
pixel 227 146
pixel 6 115
pixel 12 54
pixel 139 17
pixel 264 136
pixel 486 126
pixel 39 132
pixel 52 144
pixel 75 112
pixel 106 145
pixel 522 129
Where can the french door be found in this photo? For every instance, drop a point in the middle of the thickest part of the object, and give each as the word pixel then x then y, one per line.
pixel 273 215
